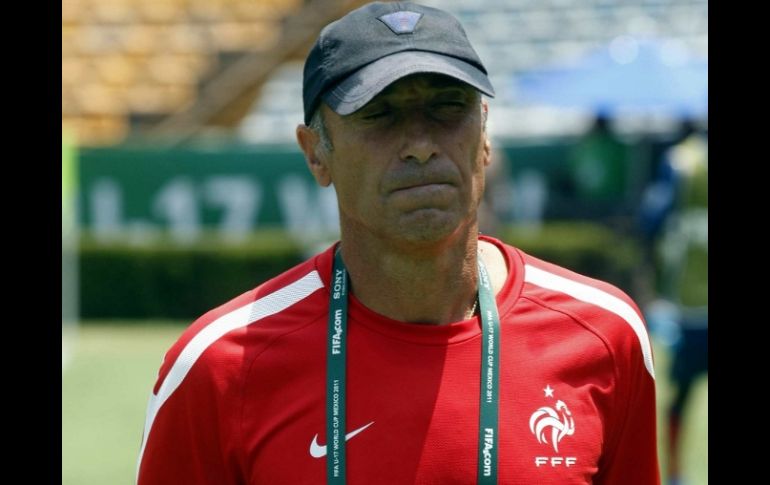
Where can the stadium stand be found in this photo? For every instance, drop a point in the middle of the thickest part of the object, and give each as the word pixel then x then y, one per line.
pixel 129 64
pixel 169 69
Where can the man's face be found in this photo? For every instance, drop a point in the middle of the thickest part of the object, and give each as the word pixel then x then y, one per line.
pixel 409 165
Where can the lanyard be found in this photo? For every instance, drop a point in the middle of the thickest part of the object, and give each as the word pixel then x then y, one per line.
pixel 335 376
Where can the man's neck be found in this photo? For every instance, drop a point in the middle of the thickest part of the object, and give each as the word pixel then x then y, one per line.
pixel 434 284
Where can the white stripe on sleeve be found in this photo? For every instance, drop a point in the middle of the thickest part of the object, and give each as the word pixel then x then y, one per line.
pixel 595 296
pixel 241 317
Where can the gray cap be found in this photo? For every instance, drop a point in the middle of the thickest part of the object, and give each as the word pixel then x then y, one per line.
pixel 359 55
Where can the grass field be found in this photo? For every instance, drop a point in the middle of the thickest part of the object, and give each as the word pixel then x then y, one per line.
pixel 106 384
pixel 104 395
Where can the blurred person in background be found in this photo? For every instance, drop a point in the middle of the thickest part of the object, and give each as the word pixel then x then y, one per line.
pixel 662 196
pixel 598 165
pixel 413 350
pixel 674 217
pixel 494 210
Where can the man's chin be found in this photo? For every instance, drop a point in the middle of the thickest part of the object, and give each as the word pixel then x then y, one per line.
pixel 427 226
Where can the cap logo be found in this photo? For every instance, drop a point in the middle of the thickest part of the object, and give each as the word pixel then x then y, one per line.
pixel 402 22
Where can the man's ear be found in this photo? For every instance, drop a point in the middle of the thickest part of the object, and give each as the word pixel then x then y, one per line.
pixel 487 145
pixel 308 141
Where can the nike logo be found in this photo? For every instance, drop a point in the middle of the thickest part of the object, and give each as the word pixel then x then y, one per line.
pixel 317 451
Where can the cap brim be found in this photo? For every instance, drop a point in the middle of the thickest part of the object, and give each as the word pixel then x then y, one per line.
pixel 360 87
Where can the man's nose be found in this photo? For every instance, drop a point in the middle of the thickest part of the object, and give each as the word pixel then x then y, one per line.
pixel 419 143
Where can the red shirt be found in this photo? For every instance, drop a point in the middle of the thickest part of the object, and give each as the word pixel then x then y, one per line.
pixel 240 397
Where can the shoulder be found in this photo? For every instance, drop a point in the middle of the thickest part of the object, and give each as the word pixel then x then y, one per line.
pixel 599 306
pixel 206 368
pixel 220 341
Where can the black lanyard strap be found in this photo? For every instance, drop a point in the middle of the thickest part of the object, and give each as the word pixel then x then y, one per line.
pixel 335 376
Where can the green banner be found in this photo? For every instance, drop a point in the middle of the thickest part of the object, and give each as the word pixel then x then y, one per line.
pixel 143 194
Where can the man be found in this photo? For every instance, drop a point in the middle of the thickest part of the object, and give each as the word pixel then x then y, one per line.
pixel 414 350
